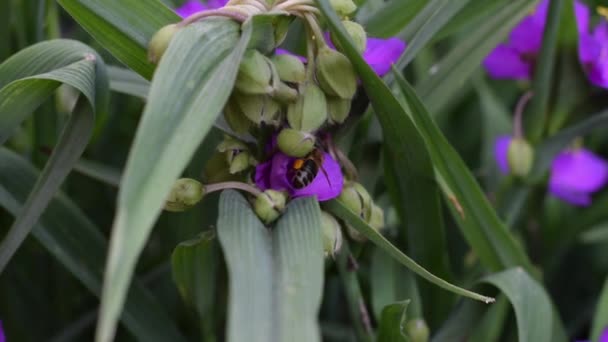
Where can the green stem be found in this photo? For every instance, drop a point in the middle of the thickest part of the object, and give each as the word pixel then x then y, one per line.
pixel 232 185
pixel 316 30
pixel 222 12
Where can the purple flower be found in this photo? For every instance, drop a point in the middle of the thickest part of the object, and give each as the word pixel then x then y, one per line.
pixel 2 336
pixel 501 149
pixel 576 174
pixel 603 336
pixel 380 53
pixel 326 185
pixel 515 59
pixel 192 6
pixel 593 47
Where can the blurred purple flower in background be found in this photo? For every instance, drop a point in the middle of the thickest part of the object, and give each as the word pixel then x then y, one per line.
pixel 575 173
pixel 2 336
pixel 603 337
pixel 273 175
pixel 192 6
pixel 593 47
pixel 380 53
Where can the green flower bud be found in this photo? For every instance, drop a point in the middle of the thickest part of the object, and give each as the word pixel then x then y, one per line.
pixel 160 42
pixel 332 234
pixel 258 108
pixel 343 7
pixel 217 170
pixel 376 219
pixel 309 112
pixel 295 143
pixel 235 117
pixel 255 74
pixel 356 32
pixel 185 194
pixel 290 68
pixel 520 156
pixel 417 330
pixel 237 154
pixel 335 74
pixel 356 198
pixel 269 205
pixel 337 109
pixel 354 234
pixel 284 93
pixel 229 143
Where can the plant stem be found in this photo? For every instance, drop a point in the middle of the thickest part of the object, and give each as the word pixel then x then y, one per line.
pixel 222 12
pixel 232 185
pixel 518 131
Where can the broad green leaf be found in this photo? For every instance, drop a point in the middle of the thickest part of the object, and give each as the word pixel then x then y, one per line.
pixel 435 15
pixel 339 210
pixel 600 320
pixel 392 18
pixel 276 276
pixel 194 264
pixel 477 220
pixel 532 305
pixel 190 87
pixel 123 27
pixel 448 76
pixel 596 234
pixel 492 323
pixel 95 170
pixel 461 322
pixel 391 283
pixel 78 245
pixel 128 82
pixel 414 191
pixel 548 149
pixel 392 323
pixel 536 116
pixel 29 78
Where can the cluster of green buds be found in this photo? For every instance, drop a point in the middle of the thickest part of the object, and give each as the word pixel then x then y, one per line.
pixel 356 198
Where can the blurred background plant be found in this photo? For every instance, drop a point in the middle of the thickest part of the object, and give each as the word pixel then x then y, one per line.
pixel 525 116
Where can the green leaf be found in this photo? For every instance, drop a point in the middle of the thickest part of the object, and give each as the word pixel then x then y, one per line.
pixel 435 15
pixel 600 321
pixel 123 27
pixel 340 210
pixel 532 305
pixel 478 221
pixel 128 82
pixel 492 323
pixel 536 115
pixel 276 276
pixel 548 149
pixel 76 243
pixel 190 87
pixel 95 170
pixel 415 193
pixel 194 265
pixel 29 78
pixel 392 323
pixel 392 18
pixel 451 72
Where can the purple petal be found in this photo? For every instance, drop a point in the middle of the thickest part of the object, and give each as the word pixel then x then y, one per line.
pixel 501 149
pixel 604 335
pixel 2 336
pixel 601 32
pixel 216 3
pixel 325 188
pixel 581 12
pixel 190 7
pixel 262 175
pixel 576 174
pixel 380 54
pixel 526 38
pixel 504 62
pixel 287 52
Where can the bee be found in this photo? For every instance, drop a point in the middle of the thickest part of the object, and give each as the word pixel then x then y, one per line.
pixel 303 171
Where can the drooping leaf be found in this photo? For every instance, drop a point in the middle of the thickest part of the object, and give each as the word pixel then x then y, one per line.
pixel 128 82
pixel 70 237
pixel 339 210
pixel 276 276
pixel 190 87
pixel 476 218
pixel 123 27
pixel 392 323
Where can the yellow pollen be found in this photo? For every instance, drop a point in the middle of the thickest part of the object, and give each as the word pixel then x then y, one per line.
pixel 603 11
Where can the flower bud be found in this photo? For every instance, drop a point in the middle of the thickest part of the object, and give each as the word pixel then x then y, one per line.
pixel 235 117
pixel 295 143
pixel 290 68
pixel 356 32
pixel 520 156
pixel 309 112
pixel 237 154
pixel 255 74
pixel 160 42
pixel 337 109
pixel 258 108
pixel 217 170
pixel 354 234
pixel 417 330
pixel 269 205
pixel 376 219
pixel 332 234
pixel 343 7
pixel 185 194
pixel 335 74
pixel 356 198
pixel 284 93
